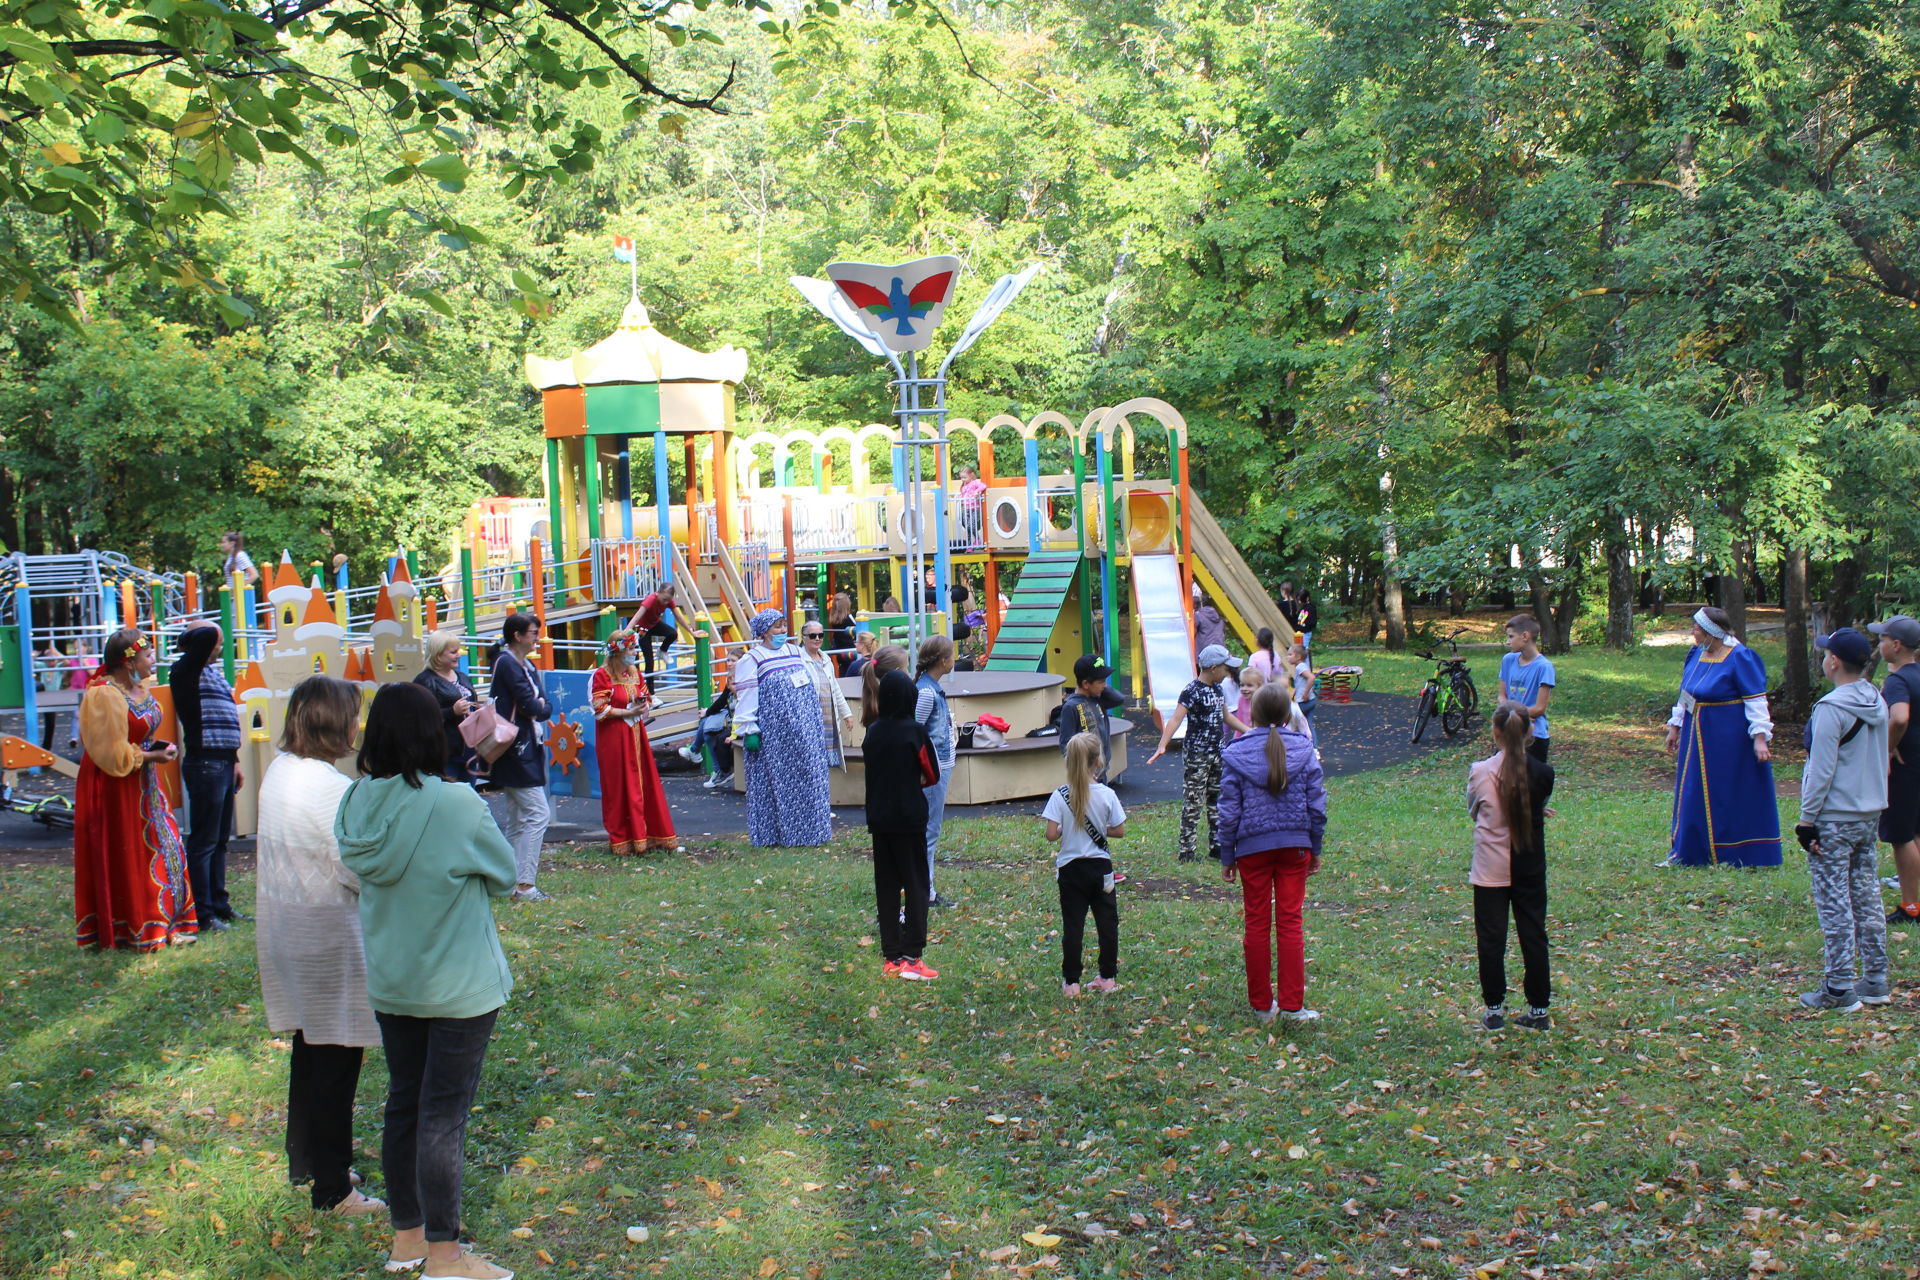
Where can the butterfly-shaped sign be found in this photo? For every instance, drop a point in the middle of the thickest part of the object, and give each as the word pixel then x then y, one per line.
pixel 901 305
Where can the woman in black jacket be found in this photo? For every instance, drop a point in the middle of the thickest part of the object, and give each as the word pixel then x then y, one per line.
pixel 442 678
pixel 520 804
pixel 899 763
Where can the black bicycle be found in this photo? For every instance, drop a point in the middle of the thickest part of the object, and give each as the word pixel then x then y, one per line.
pixel 1449 692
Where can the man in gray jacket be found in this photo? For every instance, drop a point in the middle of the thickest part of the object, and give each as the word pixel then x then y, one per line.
pixel 1842 792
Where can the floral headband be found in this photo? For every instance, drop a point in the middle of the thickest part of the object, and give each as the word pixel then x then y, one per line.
pixel 623 642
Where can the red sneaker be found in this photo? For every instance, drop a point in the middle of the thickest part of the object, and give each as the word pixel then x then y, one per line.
pixel 919 971
pixel 893 967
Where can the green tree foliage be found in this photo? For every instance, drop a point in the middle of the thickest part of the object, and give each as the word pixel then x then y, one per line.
pixel 1575 302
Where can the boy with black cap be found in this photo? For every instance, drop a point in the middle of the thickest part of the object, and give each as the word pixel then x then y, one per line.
pixel 1900 824
pixel 1085 709
pixel 1842 793
pixel 1203 705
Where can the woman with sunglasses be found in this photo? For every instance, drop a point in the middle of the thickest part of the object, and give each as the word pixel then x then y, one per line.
pixel 835 715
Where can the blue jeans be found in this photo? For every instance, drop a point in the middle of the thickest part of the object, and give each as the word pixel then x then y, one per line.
pixel 433 1067
pixel 208 782
pixel 936 813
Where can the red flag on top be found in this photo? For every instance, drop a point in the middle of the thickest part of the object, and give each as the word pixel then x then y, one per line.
pixel 623 248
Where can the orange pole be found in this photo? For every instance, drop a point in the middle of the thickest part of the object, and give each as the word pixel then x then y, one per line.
pixel 693 502
pixel 786 535
pixel 536 583
pixel 722 489
pixel 1183 482
pixel 193 593
pixel 433 614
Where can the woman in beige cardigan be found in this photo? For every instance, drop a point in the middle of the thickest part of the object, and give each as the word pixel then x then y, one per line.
pixel 313 970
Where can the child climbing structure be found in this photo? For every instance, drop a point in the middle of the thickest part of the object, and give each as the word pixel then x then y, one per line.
pixel 649 483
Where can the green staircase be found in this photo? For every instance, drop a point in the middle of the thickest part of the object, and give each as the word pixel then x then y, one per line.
pixel 1021 643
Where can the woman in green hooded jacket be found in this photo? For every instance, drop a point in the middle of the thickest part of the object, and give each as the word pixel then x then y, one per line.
pixel 430 861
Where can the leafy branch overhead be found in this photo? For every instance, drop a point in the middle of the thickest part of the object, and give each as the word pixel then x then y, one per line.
pixel 132 119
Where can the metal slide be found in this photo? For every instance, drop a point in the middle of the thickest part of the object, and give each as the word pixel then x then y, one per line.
pixel 1157 599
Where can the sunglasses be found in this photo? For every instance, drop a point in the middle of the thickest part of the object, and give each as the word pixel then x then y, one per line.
pixel 813 635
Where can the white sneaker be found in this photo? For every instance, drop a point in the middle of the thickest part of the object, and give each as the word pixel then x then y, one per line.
pixel 531 895
pixel 713 781
pixel 689 755
pixel 1266 1016
pixel 1300 1015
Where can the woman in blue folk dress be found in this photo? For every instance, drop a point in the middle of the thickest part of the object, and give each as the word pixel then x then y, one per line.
pixel 1724 811
pixel 776 716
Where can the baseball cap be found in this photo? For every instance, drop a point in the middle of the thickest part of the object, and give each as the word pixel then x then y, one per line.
pixel 1847 645
pixel 1901 628
pixel 1088 667
pixel 1216 655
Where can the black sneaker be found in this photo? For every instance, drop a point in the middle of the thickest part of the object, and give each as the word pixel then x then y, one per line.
pixel 1838 1001
pixel 214 924
pixel 1900 915
pixel 941 900
pixel 1494 1018
pixel 1534 1020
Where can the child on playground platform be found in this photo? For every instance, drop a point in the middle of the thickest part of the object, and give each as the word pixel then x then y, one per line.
pixel 1273 812
pixel 1526 677
pixel 1507 797
pixel 1203 707
pixel 1081 817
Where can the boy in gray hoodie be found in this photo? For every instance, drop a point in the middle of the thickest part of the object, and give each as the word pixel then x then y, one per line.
pixel 1842 792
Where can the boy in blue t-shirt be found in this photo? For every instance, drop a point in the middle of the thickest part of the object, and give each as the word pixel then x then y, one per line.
pixel 1527 678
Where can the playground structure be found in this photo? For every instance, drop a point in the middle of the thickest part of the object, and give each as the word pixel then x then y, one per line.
pixel 647 482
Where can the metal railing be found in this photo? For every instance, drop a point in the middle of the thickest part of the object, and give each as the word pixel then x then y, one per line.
pixel 627 568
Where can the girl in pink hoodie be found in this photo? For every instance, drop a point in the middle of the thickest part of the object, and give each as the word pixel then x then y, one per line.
pixel 1507 797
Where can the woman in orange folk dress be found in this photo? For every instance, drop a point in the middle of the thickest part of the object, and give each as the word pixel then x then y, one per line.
pixel 632 802
pixel 129 866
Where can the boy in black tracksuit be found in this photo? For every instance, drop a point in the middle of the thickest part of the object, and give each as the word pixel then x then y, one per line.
pixel 899 761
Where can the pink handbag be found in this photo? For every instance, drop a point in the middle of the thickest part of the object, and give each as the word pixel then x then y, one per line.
pixel 487 733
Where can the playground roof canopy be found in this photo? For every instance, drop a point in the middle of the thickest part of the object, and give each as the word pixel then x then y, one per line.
pixel 637 352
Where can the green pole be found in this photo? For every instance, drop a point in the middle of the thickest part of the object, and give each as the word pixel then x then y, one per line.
pixel 470 618
pixel 703 682
pixel 593 488
pixel 1080 546
pixel 556 526
pixel 1110 561
pixel 227 644
pixel 157 595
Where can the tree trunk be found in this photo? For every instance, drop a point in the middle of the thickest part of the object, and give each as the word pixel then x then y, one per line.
pixel 1542 603
pixel 1732 586
pixel 1844 594
pixel 1456 601
pixel 1620 587
pixel 1796 688
pixel 1565 613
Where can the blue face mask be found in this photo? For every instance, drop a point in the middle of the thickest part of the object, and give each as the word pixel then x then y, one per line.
pixel 776 639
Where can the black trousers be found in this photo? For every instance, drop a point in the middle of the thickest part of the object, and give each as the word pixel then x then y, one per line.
pixel 208 782
pixel 320 1090
pixel 662 632
pixel 1528 903
pixel 433 1065
pixel 1537 748
pixel 900 867
pixel 1084 886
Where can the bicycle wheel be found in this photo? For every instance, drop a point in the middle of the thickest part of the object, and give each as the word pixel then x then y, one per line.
pixel 1465 693
pixel 1423 712
pixel 1453 719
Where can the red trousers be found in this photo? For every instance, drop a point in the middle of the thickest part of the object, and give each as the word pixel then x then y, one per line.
pixel 1273 885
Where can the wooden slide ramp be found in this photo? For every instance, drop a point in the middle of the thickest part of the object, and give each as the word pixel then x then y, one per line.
pixel 1235 590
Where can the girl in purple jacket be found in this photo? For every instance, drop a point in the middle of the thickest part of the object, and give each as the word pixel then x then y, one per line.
pixel 1273 810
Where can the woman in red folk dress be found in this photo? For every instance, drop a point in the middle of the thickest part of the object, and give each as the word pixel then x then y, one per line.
pixel 129 867
pixel 632 802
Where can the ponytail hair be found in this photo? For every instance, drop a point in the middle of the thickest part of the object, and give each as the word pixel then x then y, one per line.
pixel 933 651
pixel 1083 765
pixel 888 657
pixel 1273 711
pixel 1263 639
pixel 1511 727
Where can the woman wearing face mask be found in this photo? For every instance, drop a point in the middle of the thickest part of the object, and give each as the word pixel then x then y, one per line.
pixel 776 717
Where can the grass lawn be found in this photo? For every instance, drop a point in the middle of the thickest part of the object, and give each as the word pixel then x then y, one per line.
pixel 704 1047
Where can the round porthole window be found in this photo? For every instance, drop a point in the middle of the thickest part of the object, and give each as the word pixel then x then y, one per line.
pixel 1009 514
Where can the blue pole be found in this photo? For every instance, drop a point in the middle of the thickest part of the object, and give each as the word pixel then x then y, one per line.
pixel 340 577
pixel 248 619
pixel 662 506
pixel 29 692
pixel 1032 450
pixel 1110 633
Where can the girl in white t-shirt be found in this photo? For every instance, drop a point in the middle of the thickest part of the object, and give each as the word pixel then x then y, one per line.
pixel 1082 816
